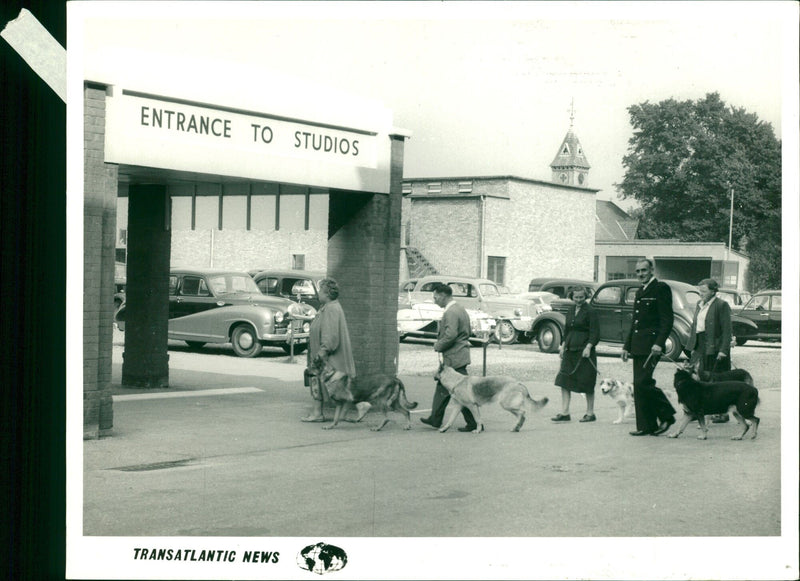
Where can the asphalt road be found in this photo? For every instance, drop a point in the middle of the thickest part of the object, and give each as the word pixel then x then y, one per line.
pixel 239 463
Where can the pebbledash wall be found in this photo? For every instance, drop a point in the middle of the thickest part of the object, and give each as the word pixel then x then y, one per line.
pixel 539 228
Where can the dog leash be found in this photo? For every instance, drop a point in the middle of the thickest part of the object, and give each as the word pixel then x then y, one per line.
pixel 579 364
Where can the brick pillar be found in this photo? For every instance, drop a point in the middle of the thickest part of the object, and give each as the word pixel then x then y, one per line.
pixel 99 240
pixel 145 359
pixel 363 257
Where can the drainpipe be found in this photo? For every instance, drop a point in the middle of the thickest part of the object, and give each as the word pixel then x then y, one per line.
pixel 482 245
pixel 211 252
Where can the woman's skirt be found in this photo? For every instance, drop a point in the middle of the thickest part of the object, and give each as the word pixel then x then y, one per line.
pixel 577 373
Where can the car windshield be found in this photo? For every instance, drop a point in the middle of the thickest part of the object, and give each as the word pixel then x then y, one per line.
pixel 222 284
pixel 758 303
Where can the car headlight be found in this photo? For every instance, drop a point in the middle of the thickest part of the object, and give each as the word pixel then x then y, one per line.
pixel 306 327
pixel 518 312
pixel 279 317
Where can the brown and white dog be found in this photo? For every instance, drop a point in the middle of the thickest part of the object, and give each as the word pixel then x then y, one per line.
pixel 622 393
pixel 385 392
pixel 474 392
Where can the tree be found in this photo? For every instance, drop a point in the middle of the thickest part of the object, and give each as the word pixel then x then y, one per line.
pixel 683 161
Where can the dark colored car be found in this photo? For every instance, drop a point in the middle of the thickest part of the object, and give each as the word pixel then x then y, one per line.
pixel 561 286
pixel 219 306
pixel 764 310
pixel 613 302
pixel 300 286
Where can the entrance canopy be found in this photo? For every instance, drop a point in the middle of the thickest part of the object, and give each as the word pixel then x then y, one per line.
pixel 208 117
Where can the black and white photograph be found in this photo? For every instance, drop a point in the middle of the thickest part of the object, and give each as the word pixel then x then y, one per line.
pixel 431 290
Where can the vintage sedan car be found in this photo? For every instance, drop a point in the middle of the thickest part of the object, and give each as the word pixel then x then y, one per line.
pixel 422 320
pixel 300 286
pixel 735 298
pixel 513 316
pixel 613 302
pixel 561 286
pixel 220 306
pixel 764 310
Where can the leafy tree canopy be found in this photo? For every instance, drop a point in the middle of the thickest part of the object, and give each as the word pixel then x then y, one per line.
pixel 684 159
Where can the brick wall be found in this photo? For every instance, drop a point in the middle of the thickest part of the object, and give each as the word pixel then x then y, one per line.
pixel 542 231
pixel 99 237
pixel 447 232
pixel 363 256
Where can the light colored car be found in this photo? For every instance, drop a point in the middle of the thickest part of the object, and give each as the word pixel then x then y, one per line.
pixel 219 306
pixel 513 315
pixel 422 320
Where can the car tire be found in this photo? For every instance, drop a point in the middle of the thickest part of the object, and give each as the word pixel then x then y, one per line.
pixel 741 341
pixel 195 344
pixel 548 337
pixel 297 348
pixel 245 341
pixel 505 333
pixel 673 347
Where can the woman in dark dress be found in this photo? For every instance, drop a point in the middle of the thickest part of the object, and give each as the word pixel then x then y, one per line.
pixel 578 371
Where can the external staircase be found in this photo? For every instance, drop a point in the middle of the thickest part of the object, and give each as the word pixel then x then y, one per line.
pixel 418 265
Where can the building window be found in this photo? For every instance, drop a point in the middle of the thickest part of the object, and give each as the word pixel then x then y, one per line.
pixel 619 267
pixel 435 188
pixel 298 261
pixel 496 267
pixel 121 255
pixel 464 187
pixel 596 267
pixel 406 189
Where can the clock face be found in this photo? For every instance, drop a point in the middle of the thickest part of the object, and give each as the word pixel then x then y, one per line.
pixel 563 178
pixel 581 177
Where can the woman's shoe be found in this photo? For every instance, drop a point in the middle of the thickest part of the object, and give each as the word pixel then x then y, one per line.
pixel 588 418
pixel 561 418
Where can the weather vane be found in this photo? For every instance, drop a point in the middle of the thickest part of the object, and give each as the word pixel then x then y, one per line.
pixel 571 112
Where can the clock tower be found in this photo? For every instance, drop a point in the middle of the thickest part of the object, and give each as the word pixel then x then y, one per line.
pixel 570 166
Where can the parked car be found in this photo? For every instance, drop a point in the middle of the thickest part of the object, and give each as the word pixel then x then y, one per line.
pixel 735 298
pixel 301 286
pixel 613 302
pixel 541 298
pixel 764 310
pixel 513 316
pixel 218 306
pixel 422 320
pixel 561 286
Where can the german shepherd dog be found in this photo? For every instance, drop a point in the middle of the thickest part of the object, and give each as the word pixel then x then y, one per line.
pixel 385 392
pixel 699 398
pixel 474 392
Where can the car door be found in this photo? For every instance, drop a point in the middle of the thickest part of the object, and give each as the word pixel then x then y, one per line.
pixel 466 294
pixel 757 310
pixel 775 308
pixel 608 303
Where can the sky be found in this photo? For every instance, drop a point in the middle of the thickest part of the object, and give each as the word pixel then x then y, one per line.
pixel 488 89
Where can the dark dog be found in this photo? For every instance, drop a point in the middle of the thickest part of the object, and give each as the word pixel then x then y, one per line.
pixel 383 391
pixel 699 398
pixel 733 375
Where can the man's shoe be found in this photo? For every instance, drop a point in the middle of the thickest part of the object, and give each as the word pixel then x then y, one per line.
pixel 429 422
pixel 588 418
pixel 641 433
pixel 467 428
pixel 664 426
pixel 720 419
pixel 561 418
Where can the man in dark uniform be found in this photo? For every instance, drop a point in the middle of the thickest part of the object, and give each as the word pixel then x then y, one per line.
pixel 453 344
pixel 651 325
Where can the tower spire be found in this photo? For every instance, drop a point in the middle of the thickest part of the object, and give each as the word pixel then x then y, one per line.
pixel 570 166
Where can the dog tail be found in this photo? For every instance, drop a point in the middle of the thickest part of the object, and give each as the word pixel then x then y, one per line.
pixel 404 403
pixel 536 404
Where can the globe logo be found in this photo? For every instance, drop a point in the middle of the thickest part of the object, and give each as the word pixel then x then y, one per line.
pixel 322 558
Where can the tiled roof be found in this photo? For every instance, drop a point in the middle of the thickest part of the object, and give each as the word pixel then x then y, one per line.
pixel 613 223
pixel 570 153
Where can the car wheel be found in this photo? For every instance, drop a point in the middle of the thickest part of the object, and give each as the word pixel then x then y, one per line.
pixel 195 344
pixel 505 333
pixel 297 348
pixel 549 337
pixel 740 341
pixel 673 347
pixel 245 342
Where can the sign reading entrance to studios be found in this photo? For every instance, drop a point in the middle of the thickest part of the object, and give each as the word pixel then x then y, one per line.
pixel 179 135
